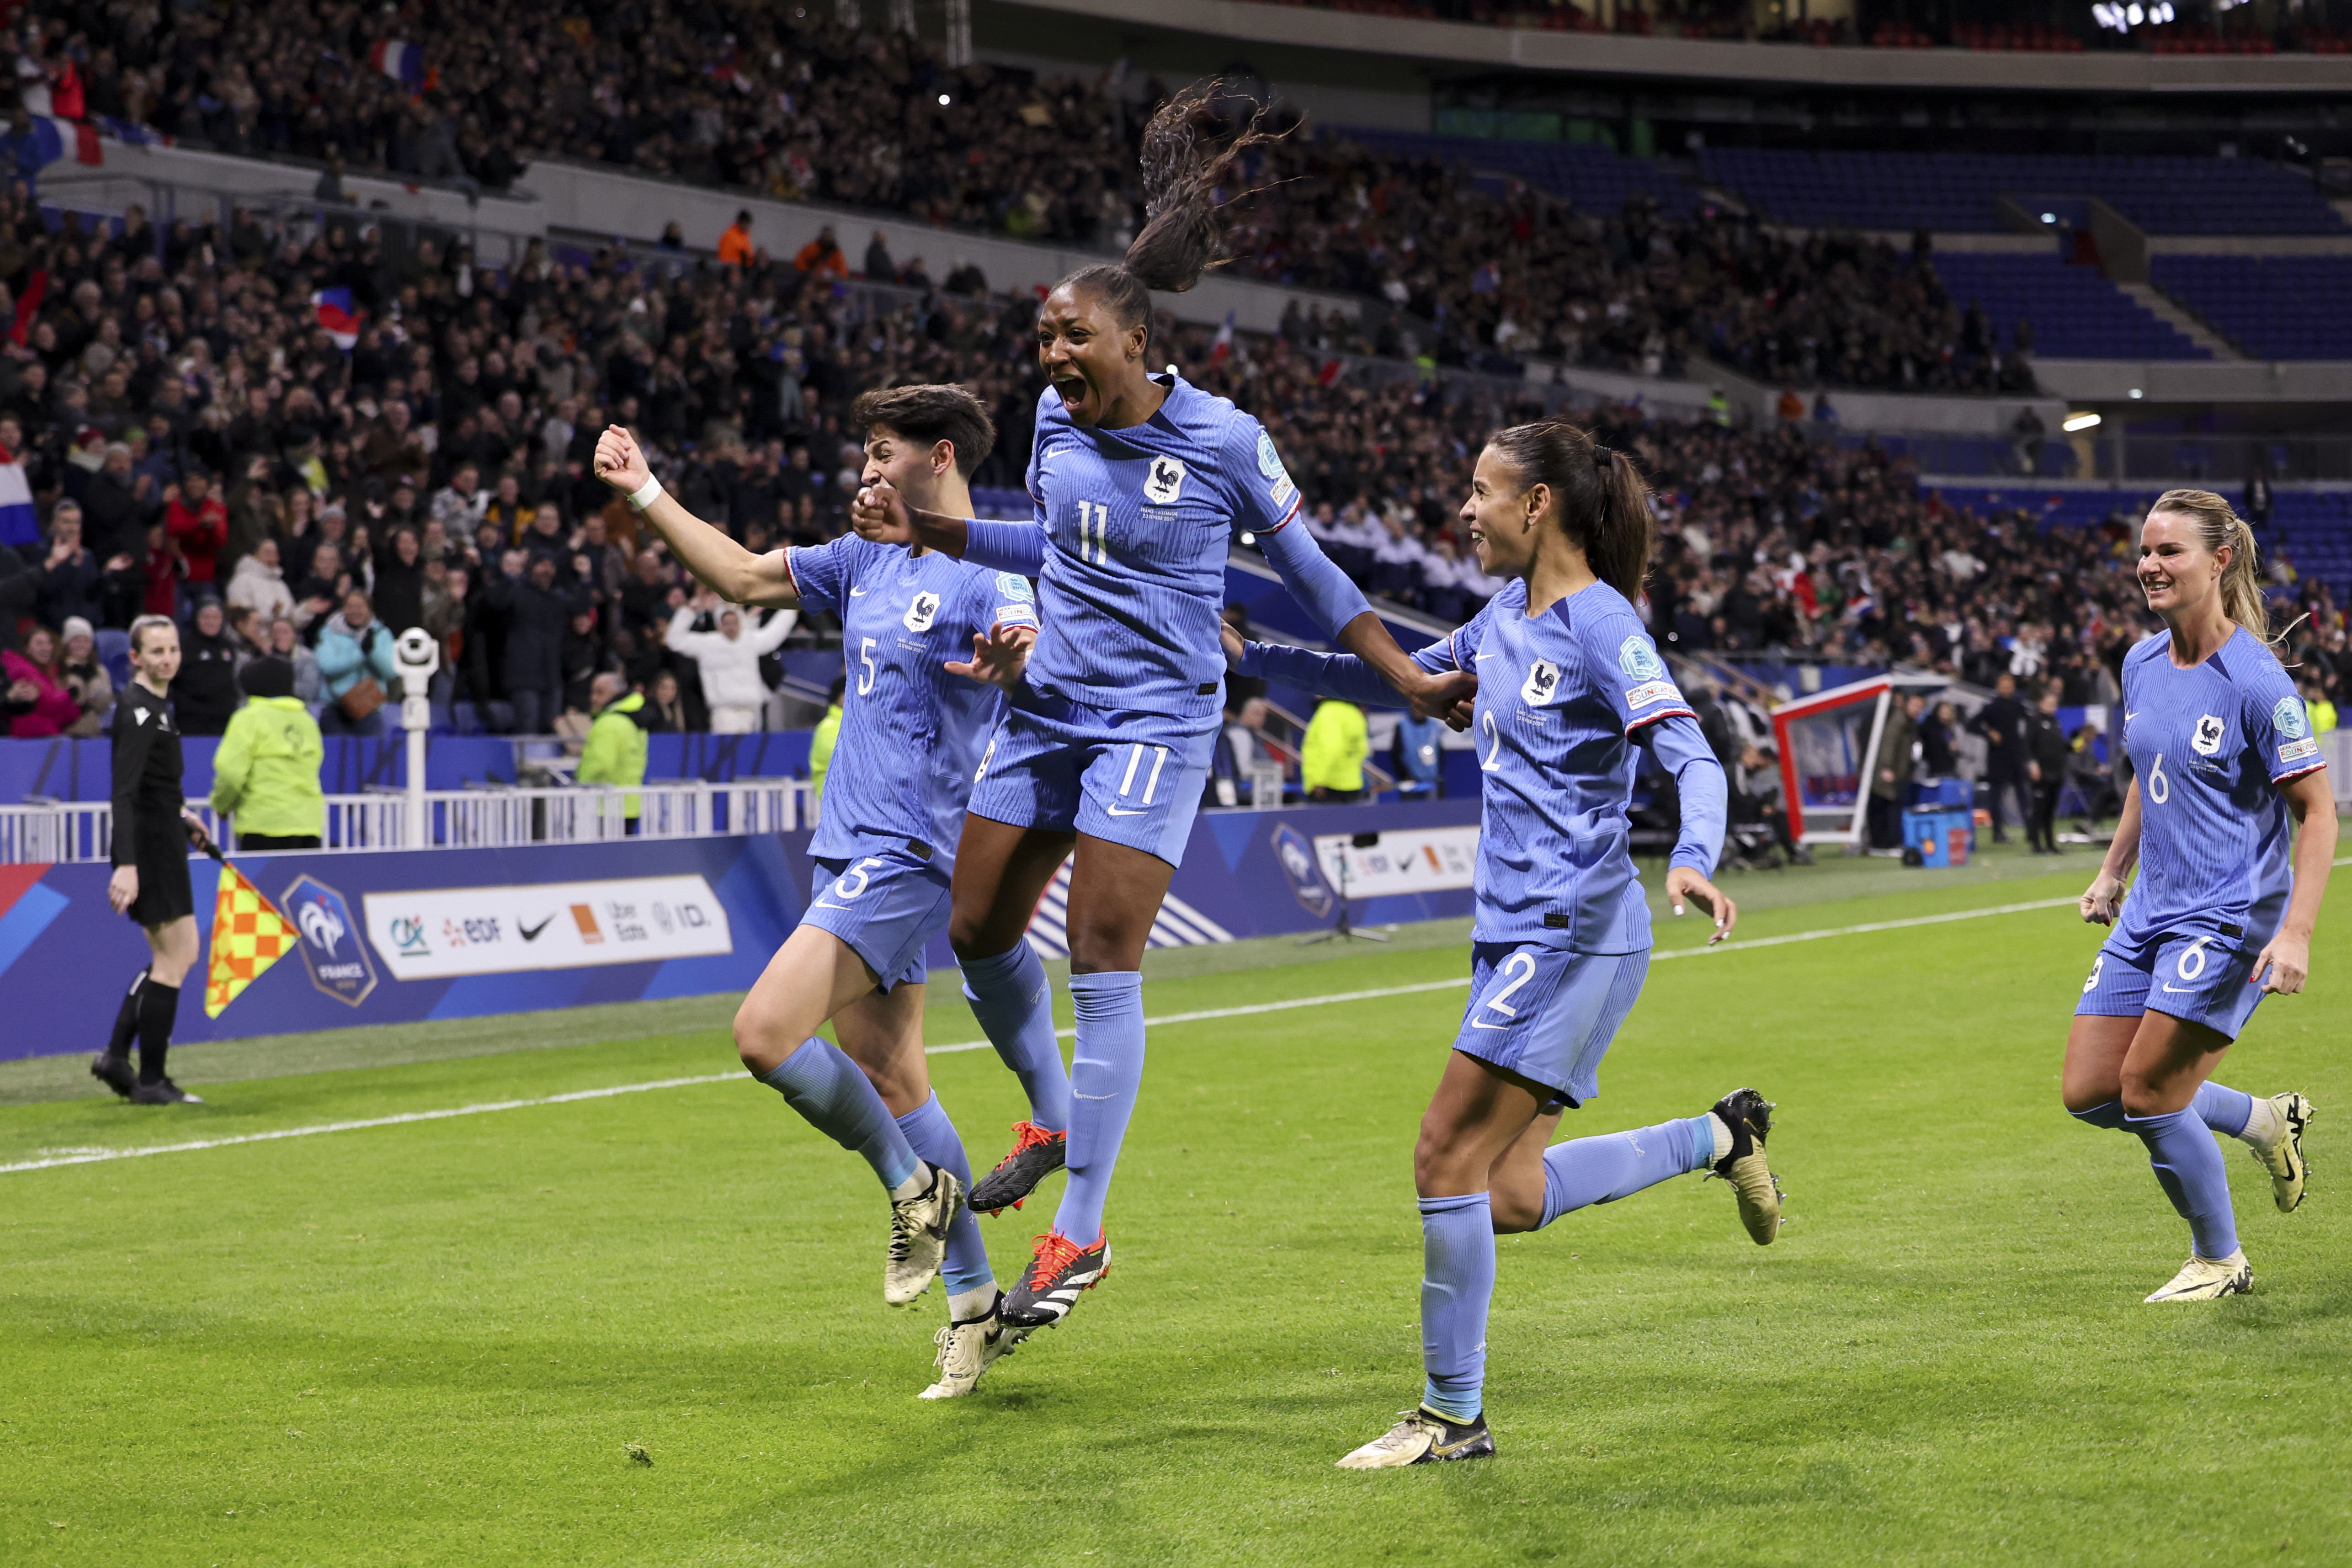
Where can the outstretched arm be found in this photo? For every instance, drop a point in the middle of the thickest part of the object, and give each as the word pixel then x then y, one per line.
pixel 881 514
pixel 1347 675
pixel 734 574
pixel 1319 585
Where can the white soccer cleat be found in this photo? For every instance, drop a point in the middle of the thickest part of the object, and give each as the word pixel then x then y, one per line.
pixel 1422 1437
pixel 2283 1156
pixel 919 1238
pixel 968 1349
pixel 2207 1279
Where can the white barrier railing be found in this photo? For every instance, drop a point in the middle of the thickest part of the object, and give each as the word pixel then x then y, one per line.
pixel 51 831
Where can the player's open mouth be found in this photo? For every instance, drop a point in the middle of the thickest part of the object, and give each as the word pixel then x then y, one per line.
pixel 1072 388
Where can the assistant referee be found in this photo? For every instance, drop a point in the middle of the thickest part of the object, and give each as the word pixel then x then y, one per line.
pixel 152 832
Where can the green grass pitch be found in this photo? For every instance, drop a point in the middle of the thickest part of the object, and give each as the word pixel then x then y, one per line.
pixel 438 1341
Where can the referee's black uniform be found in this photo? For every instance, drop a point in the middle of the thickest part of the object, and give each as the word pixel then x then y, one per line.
pixel 148 834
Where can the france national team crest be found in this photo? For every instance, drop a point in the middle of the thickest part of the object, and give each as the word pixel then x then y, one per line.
pixel 332 944
pixel 1543 679
pixel 923 611
pixel 1639 660
pixel 1305 878
pixel 1165 482
pixel 2207 738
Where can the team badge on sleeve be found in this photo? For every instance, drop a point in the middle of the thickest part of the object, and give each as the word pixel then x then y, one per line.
pixel 2296 740
pixel 1639 660
pixel 1016 601
pixel 1269 462
pixel 1013 585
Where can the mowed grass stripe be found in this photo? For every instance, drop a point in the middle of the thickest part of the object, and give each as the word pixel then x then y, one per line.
pixel 99 1155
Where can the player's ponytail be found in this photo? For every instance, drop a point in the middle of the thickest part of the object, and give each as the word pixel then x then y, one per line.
pixel 1181 231
pixel 1599 497
pixel 2219 526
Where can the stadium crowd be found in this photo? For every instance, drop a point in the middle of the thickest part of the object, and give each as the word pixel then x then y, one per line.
pixel 195 444
pixel 796 106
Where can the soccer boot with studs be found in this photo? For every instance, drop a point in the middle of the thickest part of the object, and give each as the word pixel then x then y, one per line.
pixel 1749 1116
pixel 1060 1271
pixel 970 1348
pixel 919 1238
pixel 1422 1437
pixel 2209 1278
pixel 2283 1156
pixel 1037 1153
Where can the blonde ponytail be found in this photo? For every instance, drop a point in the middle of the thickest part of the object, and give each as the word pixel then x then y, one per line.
pixel 2219 526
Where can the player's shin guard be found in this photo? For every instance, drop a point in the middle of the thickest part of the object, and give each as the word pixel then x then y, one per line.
pixel 1457 1284
pixel 1010 996
pixel 1106 1070
pixel 158 1008
pixel 1618 1164
pixel 833 1095
pixel 933 1138
pixel 2188 1168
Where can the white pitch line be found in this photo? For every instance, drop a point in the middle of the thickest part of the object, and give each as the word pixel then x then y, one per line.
pixel 93 1156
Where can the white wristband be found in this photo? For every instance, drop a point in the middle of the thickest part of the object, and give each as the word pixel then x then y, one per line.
pixel 648 495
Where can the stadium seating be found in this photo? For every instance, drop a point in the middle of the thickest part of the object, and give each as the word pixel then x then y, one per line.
pixel 2273 308
pixel 1954 192
pixel 1594 178
pixel 2076 313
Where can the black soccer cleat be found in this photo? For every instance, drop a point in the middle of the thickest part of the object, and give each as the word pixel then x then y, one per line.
pixel 163 1092
pixel 1749 1116
pixel 1050 1286
pixel 114 1071
pixel 1037 1153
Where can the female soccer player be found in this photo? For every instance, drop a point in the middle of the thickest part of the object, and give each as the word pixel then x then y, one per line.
pixel 1139 484
pixel 2223 909
pixel 910 739
pixel 1568 683
pixel 153 830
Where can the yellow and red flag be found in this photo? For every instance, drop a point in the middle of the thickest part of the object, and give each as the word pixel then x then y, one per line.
pixel 248 935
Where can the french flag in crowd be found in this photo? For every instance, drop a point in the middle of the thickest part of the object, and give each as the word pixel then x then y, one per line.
pixel 19 525
pixel 1222 349
pixel 53 137
pixel 334 311
pixel 403 63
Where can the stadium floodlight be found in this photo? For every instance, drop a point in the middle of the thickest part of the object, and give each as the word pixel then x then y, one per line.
pixel 2050 217
pixel 2134 14
pixel 2076 421
pixel 943 100
pixel 2138 393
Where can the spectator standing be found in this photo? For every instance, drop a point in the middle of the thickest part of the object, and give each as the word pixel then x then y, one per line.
pixel 286 642
pixel 198 522
pixel 735 241
pixel 205 694
pixel 828 731
pixel 822 256
pixel 533 611
pixel 1890 783
pixel 355 668
pixel 617 747
pixel 1937 759
pixel 73 582
pixel 265 770
pixel 1332 758
pixel 399 587
pixel 730 660
pixel 2002 723
pixel 258 583
pixel 878 265
pixel 85 678
pixel 2047 754
pixel 664 714
pixel 2316 709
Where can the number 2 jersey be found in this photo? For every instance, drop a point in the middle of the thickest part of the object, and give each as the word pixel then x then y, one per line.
pixel 911 734
pixel 1562 699
pixel 1138 523
pixel 2208 746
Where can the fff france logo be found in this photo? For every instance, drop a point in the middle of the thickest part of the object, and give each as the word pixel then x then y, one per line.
pixel 333 945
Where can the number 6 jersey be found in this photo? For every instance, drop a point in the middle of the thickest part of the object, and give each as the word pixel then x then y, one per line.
pixel 2208 746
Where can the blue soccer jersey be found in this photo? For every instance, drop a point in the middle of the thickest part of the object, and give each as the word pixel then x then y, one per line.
pixel 1138 524
pixel 2208 746
pixel 911 734
pixel 1562 697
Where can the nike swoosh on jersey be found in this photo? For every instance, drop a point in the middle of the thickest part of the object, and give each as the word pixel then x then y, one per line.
pixel 821 904
pixel 857 594
pixel 1476 1024
pixel 2177 990
pixel 1138 811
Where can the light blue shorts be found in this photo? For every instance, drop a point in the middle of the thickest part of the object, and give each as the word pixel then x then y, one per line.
pixel 887 904
pixel 1548 1013
pixel 1132 779
pixel 2198 975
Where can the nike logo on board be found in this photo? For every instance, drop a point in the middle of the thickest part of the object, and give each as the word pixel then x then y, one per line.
pixel 531 933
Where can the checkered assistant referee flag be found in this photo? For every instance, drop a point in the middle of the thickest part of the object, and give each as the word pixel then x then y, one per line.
pixel 248 935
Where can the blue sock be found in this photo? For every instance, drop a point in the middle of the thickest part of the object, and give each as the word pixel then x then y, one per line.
pixel 1009 997
pixel 1618 1164
pixel 933 1137
pixel 2226 1110
pixel 1457 1283
pixel 838 1100
pixel 2109 1115
pixel 2188 1168
pixel 1106 1070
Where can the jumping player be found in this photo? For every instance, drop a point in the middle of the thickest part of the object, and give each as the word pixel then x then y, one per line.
pixel 153 830
pixel 911 734
pixel 1140 482
pixel 2223 909
pixel 1568 685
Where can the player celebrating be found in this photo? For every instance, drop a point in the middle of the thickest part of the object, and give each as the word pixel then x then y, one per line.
pixel 910 739
pixel 2223 911
pixel 152 832
pixel 1140 482
pixel 1569 684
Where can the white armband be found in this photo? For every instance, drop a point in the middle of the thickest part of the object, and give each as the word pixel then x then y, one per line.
pixel 645 496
